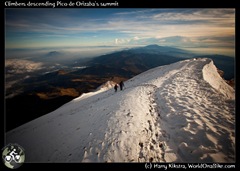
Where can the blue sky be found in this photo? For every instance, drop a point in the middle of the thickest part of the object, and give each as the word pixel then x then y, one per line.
pixel 210 29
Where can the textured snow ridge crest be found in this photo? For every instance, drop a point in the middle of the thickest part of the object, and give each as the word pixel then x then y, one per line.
pixel 211 75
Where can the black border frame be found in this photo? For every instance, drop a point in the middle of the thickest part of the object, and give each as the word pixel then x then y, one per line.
pixel 124 4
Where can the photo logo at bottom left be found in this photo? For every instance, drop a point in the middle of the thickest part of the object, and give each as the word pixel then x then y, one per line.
pixel 13 156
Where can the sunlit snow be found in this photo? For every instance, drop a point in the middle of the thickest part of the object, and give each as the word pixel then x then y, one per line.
pixel 183 112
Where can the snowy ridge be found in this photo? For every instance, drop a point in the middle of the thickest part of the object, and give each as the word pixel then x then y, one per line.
pixel 172 113
pixel 210 72
pixel 106 86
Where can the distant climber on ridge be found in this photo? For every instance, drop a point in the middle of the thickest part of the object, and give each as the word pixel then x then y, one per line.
pixel 121 85
pixel 115 87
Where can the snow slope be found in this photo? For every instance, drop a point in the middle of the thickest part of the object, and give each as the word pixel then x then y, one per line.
pixel 183 112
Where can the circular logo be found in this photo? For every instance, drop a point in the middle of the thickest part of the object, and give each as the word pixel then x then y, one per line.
pixel 13 156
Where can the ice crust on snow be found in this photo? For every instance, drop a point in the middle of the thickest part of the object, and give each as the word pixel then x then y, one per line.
pixel 183 112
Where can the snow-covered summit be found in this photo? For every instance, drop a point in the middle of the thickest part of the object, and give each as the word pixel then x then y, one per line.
pixel 183 112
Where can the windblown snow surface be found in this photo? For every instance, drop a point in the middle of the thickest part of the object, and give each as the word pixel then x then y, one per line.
pixel 183 112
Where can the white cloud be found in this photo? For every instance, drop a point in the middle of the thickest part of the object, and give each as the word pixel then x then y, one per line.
pixel 21 66
pixel 136 38
pixel 116 41
pixel 121 41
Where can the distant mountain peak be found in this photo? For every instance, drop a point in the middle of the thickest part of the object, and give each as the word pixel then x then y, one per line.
pixel 53 53
pixel 152 46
